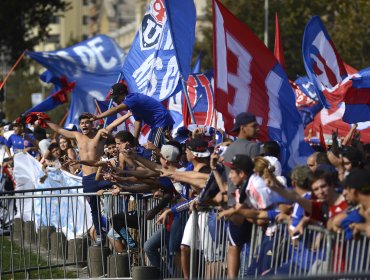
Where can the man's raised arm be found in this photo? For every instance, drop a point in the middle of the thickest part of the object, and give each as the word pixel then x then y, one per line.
pixel 112 111
pixel 61 131
pixel 118 121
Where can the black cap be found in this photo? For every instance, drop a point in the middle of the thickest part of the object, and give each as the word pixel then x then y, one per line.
pixel 358 179
pixel 198 147
pixel 242 162
pixel 119 89
pixel 242 119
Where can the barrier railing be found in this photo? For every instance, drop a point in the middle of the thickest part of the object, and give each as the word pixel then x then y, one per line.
pixel 51 234
pixel 273 252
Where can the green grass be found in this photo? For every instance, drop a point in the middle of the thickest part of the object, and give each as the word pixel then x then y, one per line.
pixel 23 258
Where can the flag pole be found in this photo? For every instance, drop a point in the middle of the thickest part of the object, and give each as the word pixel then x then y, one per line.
pixel 111 101
pixel 215 123
pixel 266 33
pixel 184 87
pixel 11 70
pixel 61 122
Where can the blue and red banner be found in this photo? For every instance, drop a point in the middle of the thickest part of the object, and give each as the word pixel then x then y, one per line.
pixel 357 99
pixel 333 80
pixel 324 67
pixel 248 78
pixel 201 96
pixel 162 50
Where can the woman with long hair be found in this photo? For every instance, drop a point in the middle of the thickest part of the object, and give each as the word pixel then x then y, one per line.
pixel 68 153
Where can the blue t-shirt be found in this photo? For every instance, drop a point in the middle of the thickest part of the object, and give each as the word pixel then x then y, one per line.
pixel 141 151
pixel 168 186
pixel 298 211
pixel 17 142
pixel 148 110
pixel 352 217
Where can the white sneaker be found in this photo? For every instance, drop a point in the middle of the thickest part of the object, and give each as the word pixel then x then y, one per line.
pixel 97 241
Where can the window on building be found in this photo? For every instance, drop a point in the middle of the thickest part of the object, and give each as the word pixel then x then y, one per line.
pixel 55 19
pixel 85 20
pixel 53 39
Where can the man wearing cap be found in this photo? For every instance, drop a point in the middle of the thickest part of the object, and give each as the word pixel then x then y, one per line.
pixel 198 155
pixel 241 167
pixel 144 109
pixel 247 128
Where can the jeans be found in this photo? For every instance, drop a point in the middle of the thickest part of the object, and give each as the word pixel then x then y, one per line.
pixel 91 185
pixel 153 244
pixel 176 233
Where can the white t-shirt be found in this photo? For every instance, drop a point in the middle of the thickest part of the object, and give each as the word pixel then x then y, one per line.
pixel 44 145
pixel 259 195
pixel 180 188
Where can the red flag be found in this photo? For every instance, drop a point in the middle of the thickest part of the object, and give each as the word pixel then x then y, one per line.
pixel 242 65
pixel 278 47
pixel 350 70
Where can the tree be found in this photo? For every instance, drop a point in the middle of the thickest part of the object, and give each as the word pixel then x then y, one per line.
pixel 346 21
pixel 24 23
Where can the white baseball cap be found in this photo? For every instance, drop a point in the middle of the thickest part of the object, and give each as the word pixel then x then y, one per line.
pixel 170 153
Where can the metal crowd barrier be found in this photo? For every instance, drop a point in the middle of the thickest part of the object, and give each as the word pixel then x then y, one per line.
pixel 273 253
pixel 50 235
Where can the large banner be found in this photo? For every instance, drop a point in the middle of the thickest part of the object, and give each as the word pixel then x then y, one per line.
pixel 26 172
pixel 71 214
pixel 248 78
pixel 94 65
pixel 162 49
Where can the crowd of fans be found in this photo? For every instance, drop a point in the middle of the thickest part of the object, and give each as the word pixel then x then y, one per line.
pixel 240 177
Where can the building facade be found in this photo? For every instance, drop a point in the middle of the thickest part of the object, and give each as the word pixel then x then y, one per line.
pixel 68 28
pixel 119 19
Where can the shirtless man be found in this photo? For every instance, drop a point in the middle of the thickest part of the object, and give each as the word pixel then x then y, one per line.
pixel 91 147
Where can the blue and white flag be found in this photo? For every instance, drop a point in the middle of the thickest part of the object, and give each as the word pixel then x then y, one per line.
pixel 94 65
pixel 162 49
pixel 307 87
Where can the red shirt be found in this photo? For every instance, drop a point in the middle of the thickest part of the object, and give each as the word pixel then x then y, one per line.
pixel 321 211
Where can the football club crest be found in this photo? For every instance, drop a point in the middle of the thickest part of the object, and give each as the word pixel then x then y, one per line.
pixel 152 25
